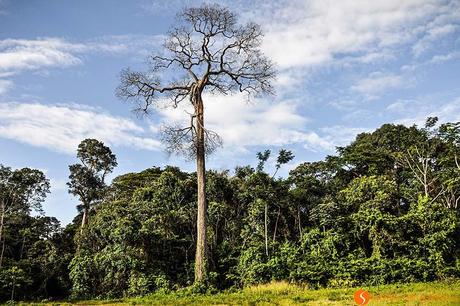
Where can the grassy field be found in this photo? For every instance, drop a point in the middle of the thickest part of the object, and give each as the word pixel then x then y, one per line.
pixel 437 293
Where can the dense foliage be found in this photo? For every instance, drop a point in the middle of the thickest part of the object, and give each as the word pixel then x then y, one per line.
pixel 383 210
pixel 35 251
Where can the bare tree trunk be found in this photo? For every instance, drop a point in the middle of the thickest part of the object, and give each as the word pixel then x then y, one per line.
pixel 12 289
pixel 2 218
pixel 266 229
pixel 201 260
pixel 300 223
pixel 22 246
pixel 276 225
pixel 2 221
pixel 84 219
pixel 2 252
pixel 425 184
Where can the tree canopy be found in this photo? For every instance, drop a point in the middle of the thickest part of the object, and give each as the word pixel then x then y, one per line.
pixel 364 216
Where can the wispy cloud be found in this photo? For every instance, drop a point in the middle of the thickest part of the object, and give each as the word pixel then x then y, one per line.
pixel 440 58
pixel 376 83
pixel 5 85
pixel 445 21
pixel 17 55
pixel 61 127
pixel 339 135
pixel 411 112
pixel 433 35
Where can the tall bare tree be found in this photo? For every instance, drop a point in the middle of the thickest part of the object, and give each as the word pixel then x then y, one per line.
pixel 206 51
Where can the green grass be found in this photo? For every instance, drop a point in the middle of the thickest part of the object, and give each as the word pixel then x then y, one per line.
pixel 281 293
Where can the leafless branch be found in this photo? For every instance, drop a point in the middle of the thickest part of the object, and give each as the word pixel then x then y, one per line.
pixel 207 51
pixel 183 140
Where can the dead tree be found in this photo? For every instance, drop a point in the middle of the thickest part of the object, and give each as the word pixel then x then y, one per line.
pixel 207 51
pixel 422 167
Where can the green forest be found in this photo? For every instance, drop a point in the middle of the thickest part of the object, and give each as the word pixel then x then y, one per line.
pixel 383 210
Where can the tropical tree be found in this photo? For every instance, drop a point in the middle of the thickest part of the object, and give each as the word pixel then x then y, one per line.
pixel 21 191
pixel 284 156
pixel 87 180
pixel 207 51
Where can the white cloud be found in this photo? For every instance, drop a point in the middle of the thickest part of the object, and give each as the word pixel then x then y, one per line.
pixel 5 85
pixel 138 45
pixel 376 83
pixel 22 54
pixel 18 55
pixel 444 22
pixel 304 33
pixel 440 58
pixel 241 124
pixel 260 123
pixel 317 143
pixel 58 184
pixel 432 35
pixel 339 135
pixel 344 104
pixel 359 115
pixel 61 127
pixel 402 106
pixel 413 111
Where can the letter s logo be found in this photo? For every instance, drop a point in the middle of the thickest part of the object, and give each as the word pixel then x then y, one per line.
pixel 362 297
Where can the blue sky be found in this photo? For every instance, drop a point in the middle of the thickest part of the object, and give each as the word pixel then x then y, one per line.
pixel 344 67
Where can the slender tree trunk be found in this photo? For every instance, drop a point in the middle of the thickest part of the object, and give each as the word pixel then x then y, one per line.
pixel 12 289
pixel 2 218
pixel 300 223
pixel 84 219
pixel 22 246
pixel 2 252
pixel 425 183
pixel 201 259
pixel 276 225
pixel 2 240
pixel 266 228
